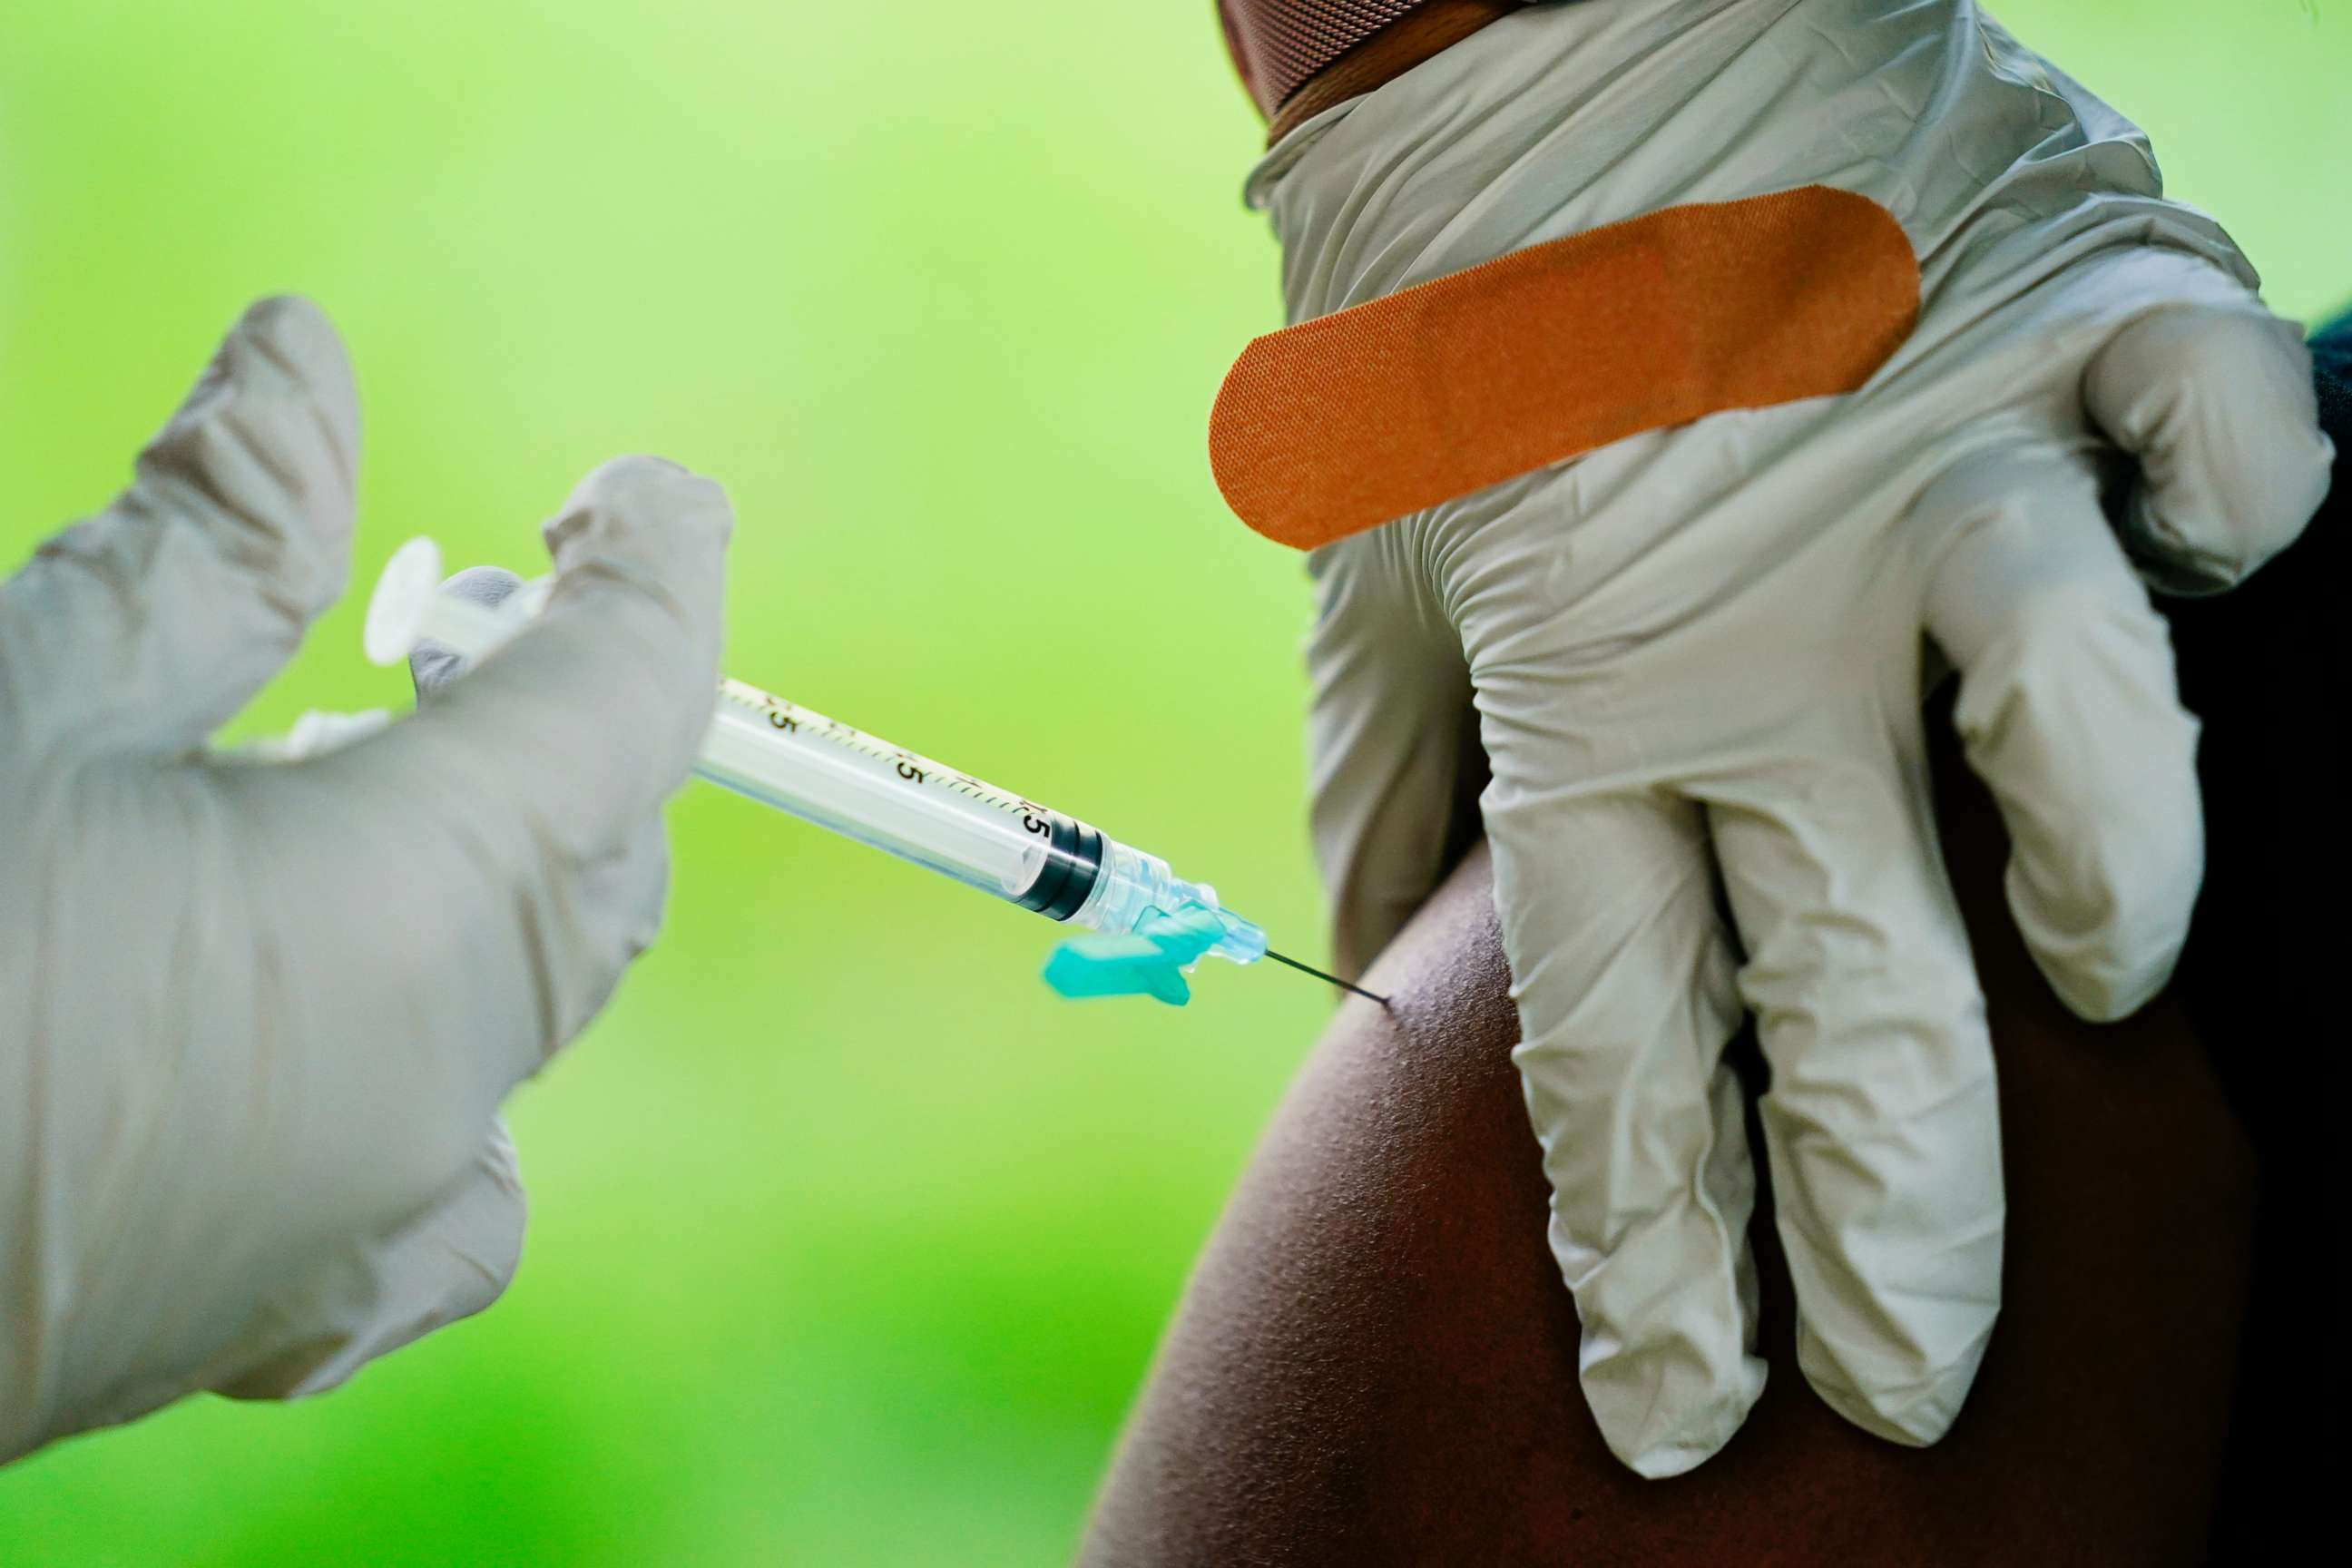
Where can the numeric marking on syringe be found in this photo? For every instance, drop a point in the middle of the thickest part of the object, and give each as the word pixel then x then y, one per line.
pixel 790 719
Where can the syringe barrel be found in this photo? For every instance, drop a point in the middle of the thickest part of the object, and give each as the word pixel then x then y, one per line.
pixel 825 772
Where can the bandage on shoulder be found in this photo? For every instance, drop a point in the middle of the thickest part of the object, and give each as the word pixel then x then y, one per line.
pixel 1347 421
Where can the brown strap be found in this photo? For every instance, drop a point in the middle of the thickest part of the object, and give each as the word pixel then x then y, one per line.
pixel 1428 30
pixel 1342 423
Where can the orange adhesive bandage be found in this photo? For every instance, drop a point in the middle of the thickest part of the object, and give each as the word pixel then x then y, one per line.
pixel 1342 423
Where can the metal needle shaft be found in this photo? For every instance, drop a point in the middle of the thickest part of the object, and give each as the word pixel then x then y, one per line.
pixel 1310 969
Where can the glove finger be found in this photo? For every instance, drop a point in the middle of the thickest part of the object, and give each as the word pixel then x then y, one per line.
pixel 621 901
pixel 142 629
pixel 622 894
pixel 571 736
pixel 1882 1123
pixel 446 890
pixel 1390 713
pixel 2219 409
pixel 371 1296
pixel 2069 711
pixel 1624 983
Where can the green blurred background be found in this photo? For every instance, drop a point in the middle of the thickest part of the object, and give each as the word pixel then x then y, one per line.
pixel 849 1243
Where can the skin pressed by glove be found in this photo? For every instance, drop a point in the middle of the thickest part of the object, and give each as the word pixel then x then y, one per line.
pixel 256 1016
pixel 1695 655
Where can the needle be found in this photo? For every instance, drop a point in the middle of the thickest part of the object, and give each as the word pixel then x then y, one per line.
pixel 1310 969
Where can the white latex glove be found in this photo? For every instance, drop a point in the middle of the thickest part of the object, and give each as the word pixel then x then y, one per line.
pixel 257 1018
pixel 1697 654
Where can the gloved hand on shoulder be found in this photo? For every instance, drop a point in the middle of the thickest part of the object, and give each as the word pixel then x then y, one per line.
pixel 1696 653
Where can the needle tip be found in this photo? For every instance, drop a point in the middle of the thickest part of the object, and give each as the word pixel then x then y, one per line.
pixel 1331 979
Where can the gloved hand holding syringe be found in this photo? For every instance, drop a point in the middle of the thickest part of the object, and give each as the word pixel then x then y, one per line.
pixel 1153 922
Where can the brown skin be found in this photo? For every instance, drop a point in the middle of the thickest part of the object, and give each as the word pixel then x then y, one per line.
pixel 1375 1361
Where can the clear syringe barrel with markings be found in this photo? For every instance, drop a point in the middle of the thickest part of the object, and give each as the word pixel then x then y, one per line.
pixel 823 770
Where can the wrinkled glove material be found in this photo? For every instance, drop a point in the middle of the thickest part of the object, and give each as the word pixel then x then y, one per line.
pixel 1696 655
pixel 258 1010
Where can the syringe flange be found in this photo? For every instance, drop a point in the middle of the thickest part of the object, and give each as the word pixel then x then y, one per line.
pixel 410 606
pixel 403 602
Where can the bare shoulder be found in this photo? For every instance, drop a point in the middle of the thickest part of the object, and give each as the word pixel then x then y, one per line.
pixel 1375 1361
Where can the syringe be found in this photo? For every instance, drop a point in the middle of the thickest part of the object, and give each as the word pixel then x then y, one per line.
pixel 825 772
